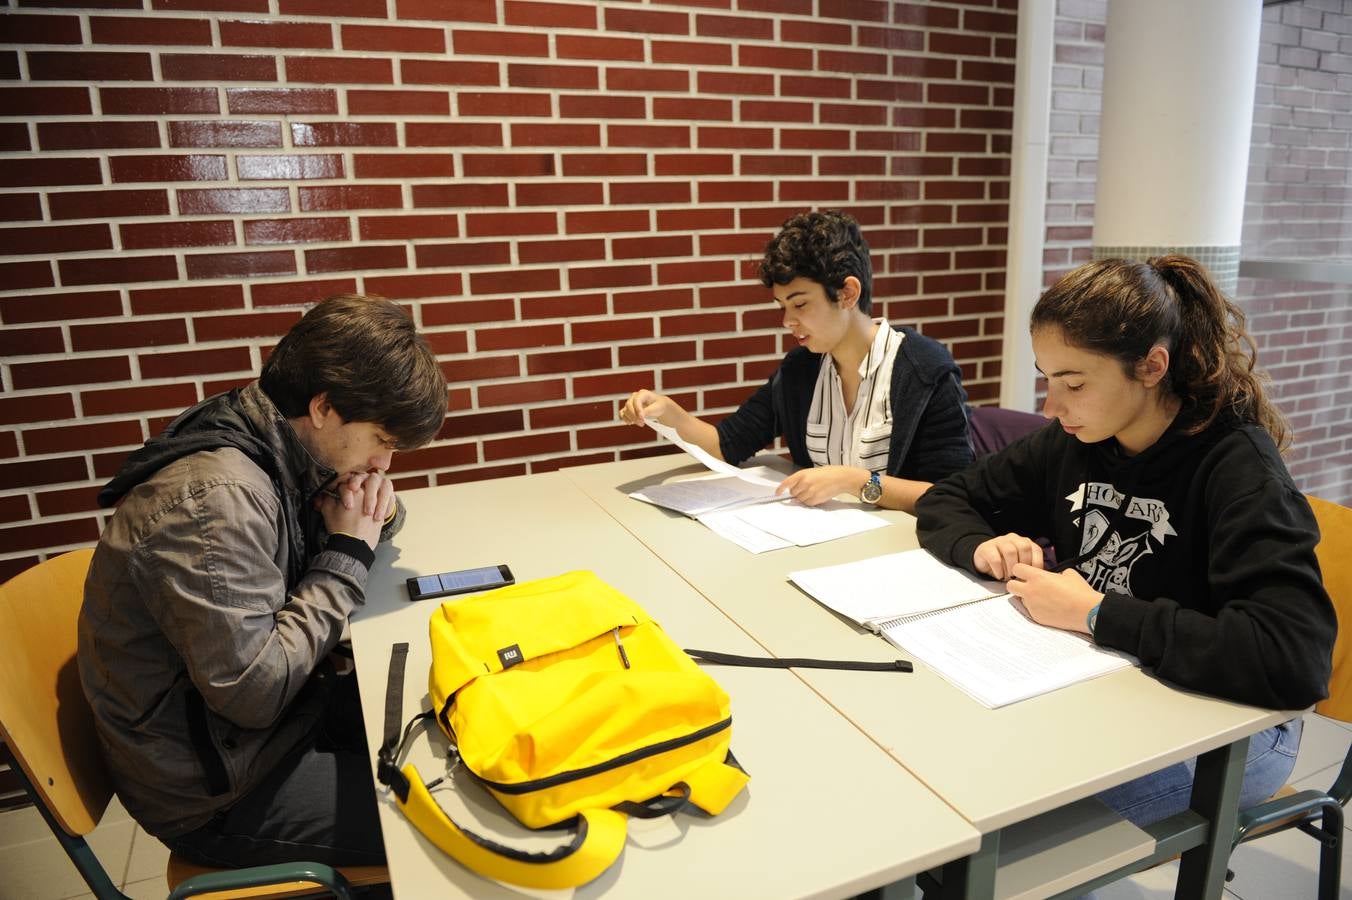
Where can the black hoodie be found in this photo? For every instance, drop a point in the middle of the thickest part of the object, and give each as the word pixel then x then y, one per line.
pixel 1208 567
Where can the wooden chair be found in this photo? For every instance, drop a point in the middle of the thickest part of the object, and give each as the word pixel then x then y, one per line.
pixel 1320 813
pixel 49 729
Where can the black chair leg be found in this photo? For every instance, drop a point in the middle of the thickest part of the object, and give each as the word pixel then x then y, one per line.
pixel 1331 853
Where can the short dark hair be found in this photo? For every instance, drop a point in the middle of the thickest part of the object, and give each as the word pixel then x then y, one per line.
pixel 366 355
pixel 826 247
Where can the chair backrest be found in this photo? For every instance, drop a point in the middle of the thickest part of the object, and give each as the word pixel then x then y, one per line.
pixel 44 717
pixel 1335 562
pixel 994 427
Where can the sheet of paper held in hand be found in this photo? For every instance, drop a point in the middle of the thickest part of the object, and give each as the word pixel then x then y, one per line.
pixel 696 496
pixel 693 497
pixel 736 505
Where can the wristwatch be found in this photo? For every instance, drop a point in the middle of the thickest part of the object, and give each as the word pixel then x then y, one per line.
pixel 1092 619
pixel 872 490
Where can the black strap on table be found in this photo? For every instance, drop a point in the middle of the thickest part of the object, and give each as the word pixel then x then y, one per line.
pixel 793 662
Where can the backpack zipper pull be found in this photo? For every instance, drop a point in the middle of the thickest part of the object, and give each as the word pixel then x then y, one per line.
pixel 624 657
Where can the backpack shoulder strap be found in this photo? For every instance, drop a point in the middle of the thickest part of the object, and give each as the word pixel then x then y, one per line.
pixel 600 832
pixel 600 838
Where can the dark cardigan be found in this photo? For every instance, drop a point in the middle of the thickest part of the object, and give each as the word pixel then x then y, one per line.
pixel 930 439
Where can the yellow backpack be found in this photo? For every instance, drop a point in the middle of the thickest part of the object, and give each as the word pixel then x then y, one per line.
pixel 563 698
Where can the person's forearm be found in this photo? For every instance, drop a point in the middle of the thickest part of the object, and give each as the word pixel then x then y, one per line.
pixel 901 493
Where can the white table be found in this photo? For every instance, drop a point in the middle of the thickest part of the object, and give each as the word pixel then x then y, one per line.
pixel 827 812
pixel 996 767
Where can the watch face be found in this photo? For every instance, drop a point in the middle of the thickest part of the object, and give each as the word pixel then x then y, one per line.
pixel 872 492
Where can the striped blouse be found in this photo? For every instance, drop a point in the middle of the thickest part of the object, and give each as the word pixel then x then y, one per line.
pixel 863 437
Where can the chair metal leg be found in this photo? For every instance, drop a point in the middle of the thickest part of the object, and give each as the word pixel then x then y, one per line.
pixel 1331 853
pixel 83 858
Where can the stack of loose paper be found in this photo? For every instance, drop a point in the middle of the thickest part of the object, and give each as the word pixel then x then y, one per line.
pixel 731 487
pixel 697 496
pixel 741 505
pixel 773 526
pixel 970 632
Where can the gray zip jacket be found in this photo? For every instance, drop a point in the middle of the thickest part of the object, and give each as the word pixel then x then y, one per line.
pixel 213 597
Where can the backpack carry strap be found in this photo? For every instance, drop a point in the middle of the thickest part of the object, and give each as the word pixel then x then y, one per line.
pixel 600 834
pixel 797 662
pixel 668 804
pixel 600 838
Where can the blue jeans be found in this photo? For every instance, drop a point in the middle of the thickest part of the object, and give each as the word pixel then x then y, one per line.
pixel 319 806
pixel 1150 798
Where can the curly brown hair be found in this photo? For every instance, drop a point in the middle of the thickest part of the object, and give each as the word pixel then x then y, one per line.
pixel 1122 309
pixel 826 247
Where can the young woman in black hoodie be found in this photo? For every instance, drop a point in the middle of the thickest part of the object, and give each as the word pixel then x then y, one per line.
pixel 1179 534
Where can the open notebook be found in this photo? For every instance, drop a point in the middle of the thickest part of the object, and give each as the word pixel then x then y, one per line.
pixel 970 632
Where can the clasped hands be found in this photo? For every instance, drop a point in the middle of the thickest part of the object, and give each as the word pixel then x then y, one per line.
pixel 359 506
pixel 1056 599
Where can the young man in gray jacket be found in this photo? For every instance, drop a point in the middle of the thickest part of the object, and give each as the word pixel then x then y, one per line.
pixel 220 586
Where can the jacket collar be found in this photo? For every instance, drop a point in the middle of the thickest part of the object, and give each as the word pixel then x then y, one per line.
pixel 308 475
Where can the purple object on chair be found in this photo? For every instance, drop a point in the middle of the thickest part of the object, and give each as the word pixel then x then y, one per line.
pixel 994 428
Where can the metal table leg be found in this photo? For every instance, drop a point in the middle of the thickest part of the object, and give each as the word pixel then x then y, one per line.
pixel 1215 796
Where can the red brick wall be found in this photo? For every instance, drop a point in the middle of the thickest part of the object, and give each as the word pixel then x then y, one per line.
pixel 569 197
pixel 1298 204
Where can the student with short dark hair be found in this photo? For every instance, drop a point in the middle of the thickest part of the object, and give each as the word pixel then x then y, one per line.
pixel 239 547
pixel 864 408
pixel 1180 535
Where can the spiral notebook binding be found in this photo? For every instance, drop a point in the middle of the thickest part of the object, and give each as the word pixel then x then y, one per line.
pixel 884 624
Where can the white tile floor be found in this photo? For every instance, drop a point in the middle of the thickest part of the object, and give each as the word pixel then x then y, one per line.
pixel 1281 867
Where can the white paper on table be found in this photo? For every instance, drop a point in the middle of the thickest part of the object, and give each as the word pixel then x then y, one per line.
pixel 729 525
pixel 997 655
pixel 871 590
pixel 805 525
pixel 670 434
pixel 762 475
